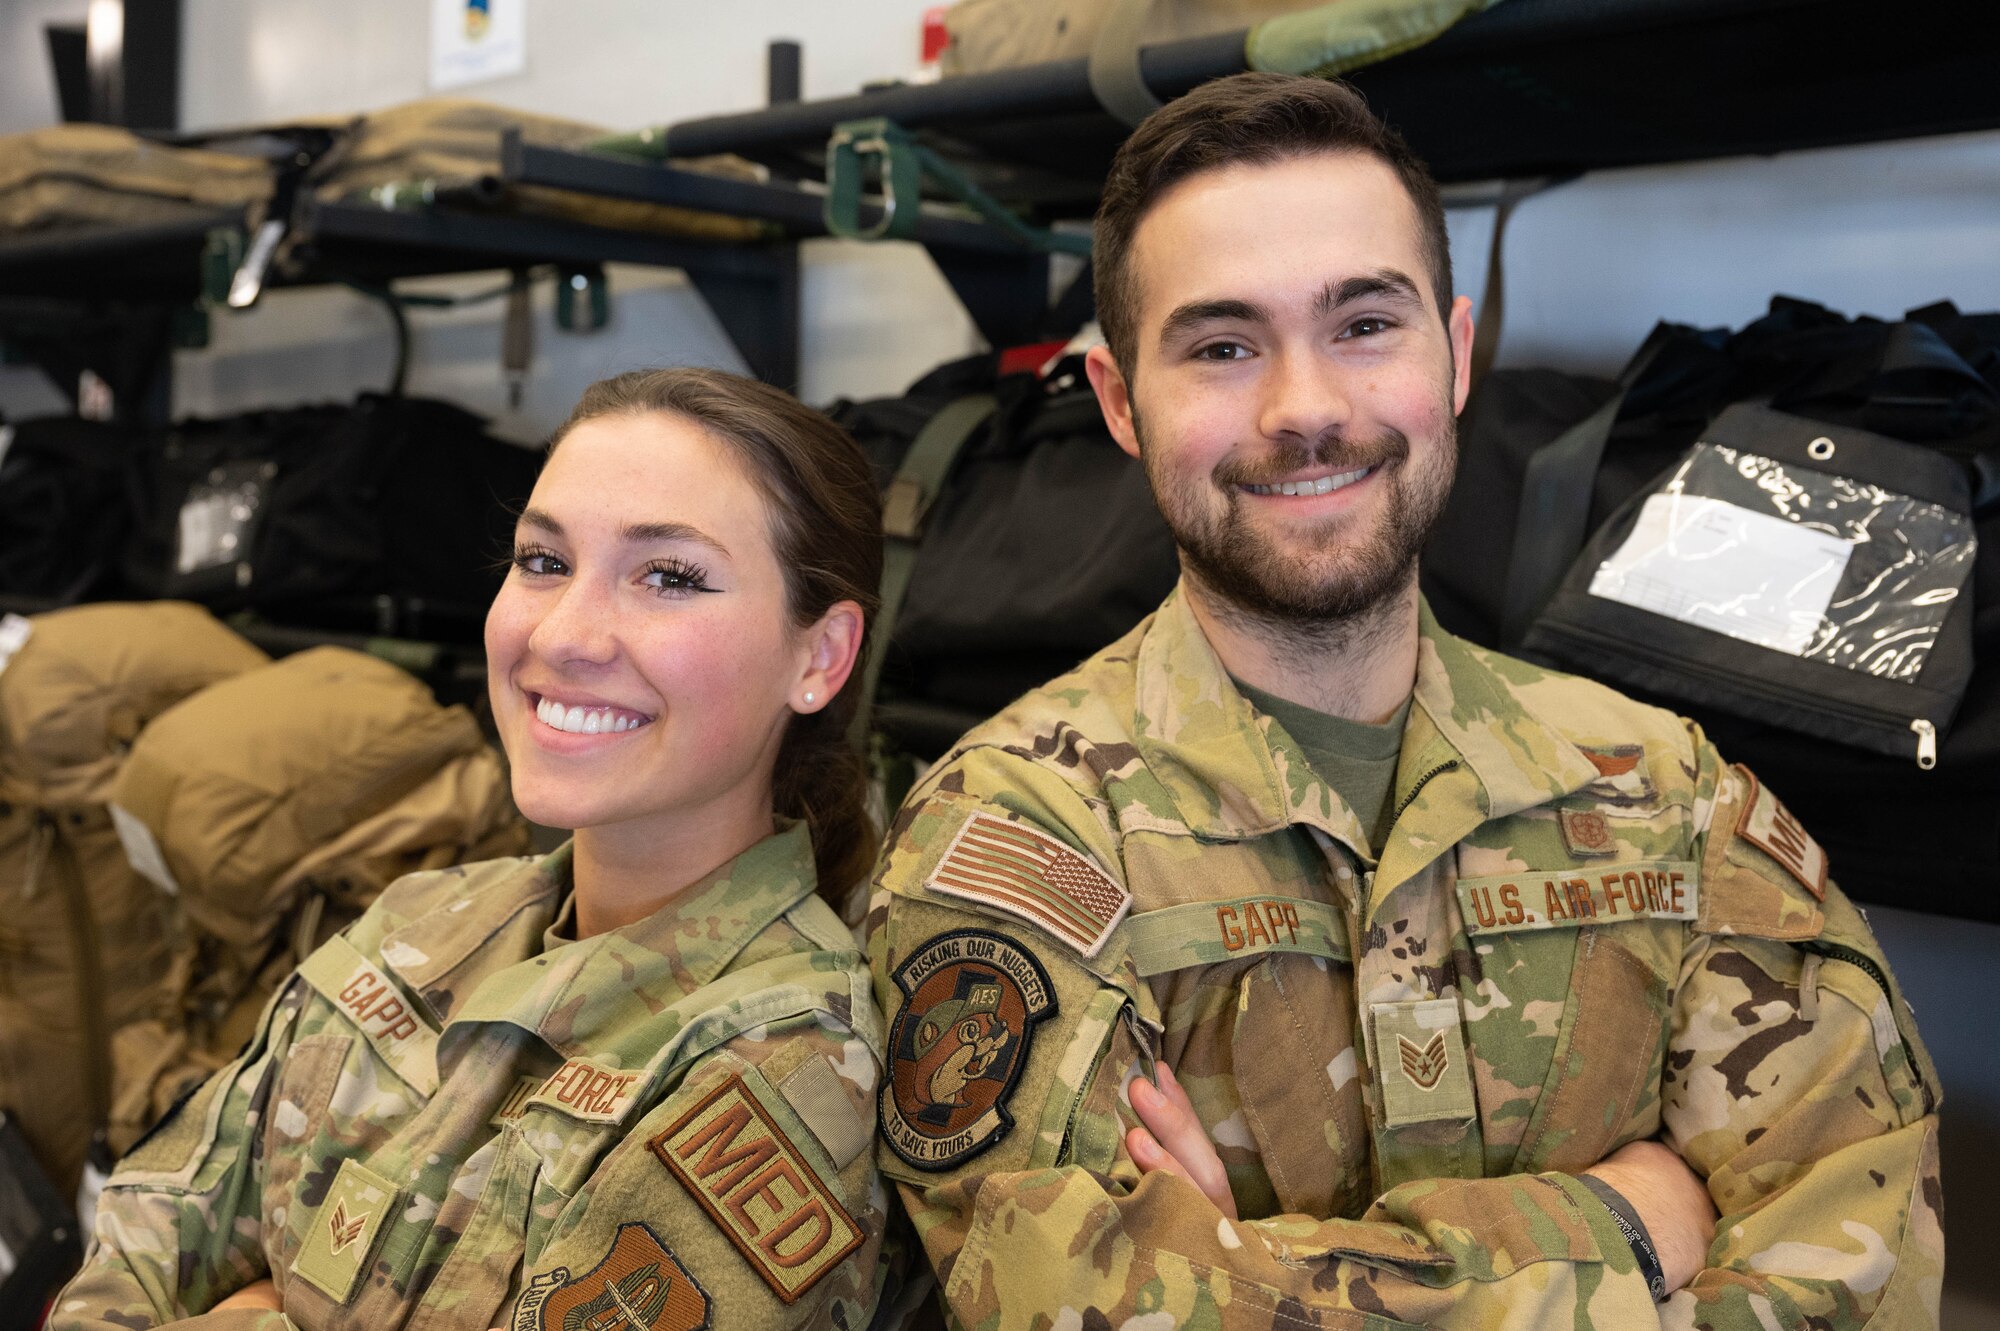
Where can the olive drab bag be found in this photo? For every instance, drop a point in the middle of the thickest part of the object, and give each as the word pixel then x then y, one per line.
pixel 279 804
pixel 1791 534
pixel 84 938
pixel 83 175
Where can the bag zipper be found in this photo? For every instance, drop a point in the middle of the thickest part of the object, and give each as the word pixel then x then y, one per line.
pixel 1925 731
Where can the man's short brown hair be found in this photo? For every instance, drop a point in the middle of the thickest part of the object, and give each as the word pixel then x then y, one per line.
pixel 1253 119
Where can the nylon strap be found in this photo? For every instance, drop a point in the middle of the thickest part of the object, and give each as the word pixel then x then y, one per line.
pixel 1203 933
pixel 1115 79
pixel 1554 518
pixel 919 481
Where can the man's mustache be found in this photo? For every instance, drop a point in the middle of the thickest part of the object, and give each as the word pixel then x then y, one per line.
pixel 1329 452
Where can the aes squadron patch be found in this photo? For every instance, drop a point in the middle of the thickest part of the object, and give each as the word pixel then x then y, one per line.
pixel 639 1285
pixel 970 1003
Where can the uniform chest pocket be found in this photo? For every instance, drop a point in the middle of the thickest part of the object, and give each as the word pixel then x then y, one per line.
pixel 1602 1087
pixel 297 1136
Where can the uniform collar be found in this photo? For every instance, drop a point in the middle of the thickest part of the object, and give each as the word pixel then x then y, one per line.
pixel 580 995
pixel 1473 749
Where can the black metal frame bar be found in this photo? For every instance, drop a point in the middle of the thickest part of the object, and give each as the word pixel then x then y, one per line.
pixel 1002 285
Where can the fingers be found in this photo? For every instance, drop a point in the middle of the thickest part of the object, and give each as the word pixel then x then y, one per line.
pixel 1173 1140
pixel 257 1294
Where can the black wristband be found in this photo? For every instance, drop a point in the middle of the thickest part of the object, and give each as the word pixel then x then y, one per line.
pixel 1634 1230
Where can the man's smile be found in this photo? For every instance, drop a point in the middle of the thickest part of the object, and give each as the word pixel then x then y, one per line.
pixel 1326 483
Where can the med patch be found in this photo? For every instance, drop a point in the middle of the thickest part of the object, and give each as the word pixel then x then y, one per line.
pixel 638 1285
pixel 760 1189
pixel 971 1000
pixel 1029 874
pixel 1771 828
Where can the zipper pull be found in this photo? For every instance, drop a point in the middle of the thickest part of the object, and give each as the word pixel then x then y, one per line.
pixel 1926 743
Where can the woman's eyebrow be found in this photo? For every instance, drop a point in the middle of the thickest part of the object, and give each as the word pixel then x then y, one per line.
pixel 649 533
pixel 636 533
pixel 542 518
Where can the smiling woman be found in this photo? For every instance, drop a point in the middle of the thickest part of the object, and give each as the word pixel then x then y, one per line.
pixel 522 1093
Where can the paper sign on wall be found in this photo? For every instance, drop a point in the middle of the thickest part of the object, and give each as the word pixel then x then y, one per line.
pixel 475 40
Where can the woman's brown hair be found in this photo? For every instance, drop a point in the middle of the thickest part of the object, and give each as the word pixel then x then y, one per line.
pixel 826 526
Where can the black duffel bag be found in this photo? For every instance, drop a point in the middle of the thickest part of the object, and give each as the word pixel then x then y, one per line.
pixel 1881 727
pixel 389 516
pixel 1028 540
pixel 64 510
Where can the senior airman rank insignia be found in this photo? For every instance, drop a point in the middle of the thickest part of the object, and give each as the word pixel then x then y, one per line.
pixel 342 1235
pixel 970 1003
pixel 638 1285
pixel 1028 873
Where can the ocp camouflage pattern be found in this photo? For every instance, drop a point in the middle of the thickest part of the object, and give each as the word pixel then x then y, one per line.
pixel 1404 1054
pixel 451 1110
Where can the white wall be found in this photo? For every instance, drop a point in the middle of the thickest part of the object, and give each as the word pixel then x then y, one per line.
pixel 1590 266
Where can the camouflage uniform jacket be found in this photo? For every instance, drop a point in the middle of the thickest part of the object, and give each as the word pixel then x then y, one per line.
pixel 1583 929
pixel 453 1117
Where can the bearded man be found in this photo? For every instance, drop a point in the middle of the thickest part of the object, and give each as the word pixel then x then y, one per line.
pixel 1352 975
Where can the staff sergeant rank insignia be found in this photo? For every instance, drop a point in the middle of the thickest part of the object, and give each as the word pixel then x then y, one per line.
pixel 970 1002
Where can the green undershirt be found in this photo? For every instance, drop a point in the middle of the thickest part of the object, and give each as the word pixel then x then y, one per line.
pixel 1358 761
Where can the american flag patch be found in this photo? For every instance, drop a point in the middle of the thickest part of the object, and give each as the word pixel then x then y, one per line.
pixel 1030 874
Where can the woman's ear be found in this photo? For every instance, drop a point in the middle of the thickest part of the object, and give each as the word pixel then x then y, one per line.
pixel 833 645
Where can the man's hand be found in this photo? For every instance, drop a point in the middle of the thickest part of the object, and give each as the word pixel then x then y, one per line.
pixel 257 1294
pixel 1174 1141
pixel 1672 1203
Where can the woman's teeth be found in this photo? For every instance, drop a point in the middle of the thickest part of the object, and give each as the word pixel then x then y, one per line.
pixel 586 720
pixel 1324 485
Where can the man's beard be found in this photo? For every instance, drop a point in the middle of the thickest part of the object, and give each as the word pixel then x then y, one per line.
pixel 1349 570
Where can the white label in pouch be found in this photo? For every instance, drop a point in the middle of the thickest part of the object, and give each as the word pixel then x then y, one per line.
pixel 142 850
pixel 1728 569
pixel 14 633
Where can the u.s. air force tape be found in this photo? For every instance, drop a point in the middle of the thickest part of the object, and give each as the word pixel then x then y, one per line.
pixel 1568 898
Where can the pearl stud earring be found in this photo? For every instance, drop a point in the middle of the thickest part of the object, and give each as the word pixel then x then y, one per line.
pixel 809 699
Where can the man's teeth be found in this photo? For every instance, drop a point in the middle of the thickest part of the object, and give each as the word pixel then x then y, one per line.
pixel 1324 485
pixel 586 720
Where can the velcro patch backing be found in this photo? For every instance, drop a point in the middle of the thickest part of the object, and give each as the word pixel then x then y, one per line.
pixel 1029 874
pixel 758 1188
pixel 1770 827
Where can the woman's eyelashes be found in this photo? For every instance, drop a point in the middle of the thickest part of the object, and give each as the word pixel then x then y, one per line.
pixel 666 577
pixel 539 561
pixel 677 577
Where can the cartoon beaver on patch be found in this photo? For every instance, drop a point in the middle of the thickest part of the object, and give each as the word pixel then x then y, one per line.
pixel 956 1042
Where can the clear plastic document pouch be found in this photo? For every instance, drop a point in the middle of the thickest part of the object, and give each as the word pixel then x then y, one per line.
pixel 1814 577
